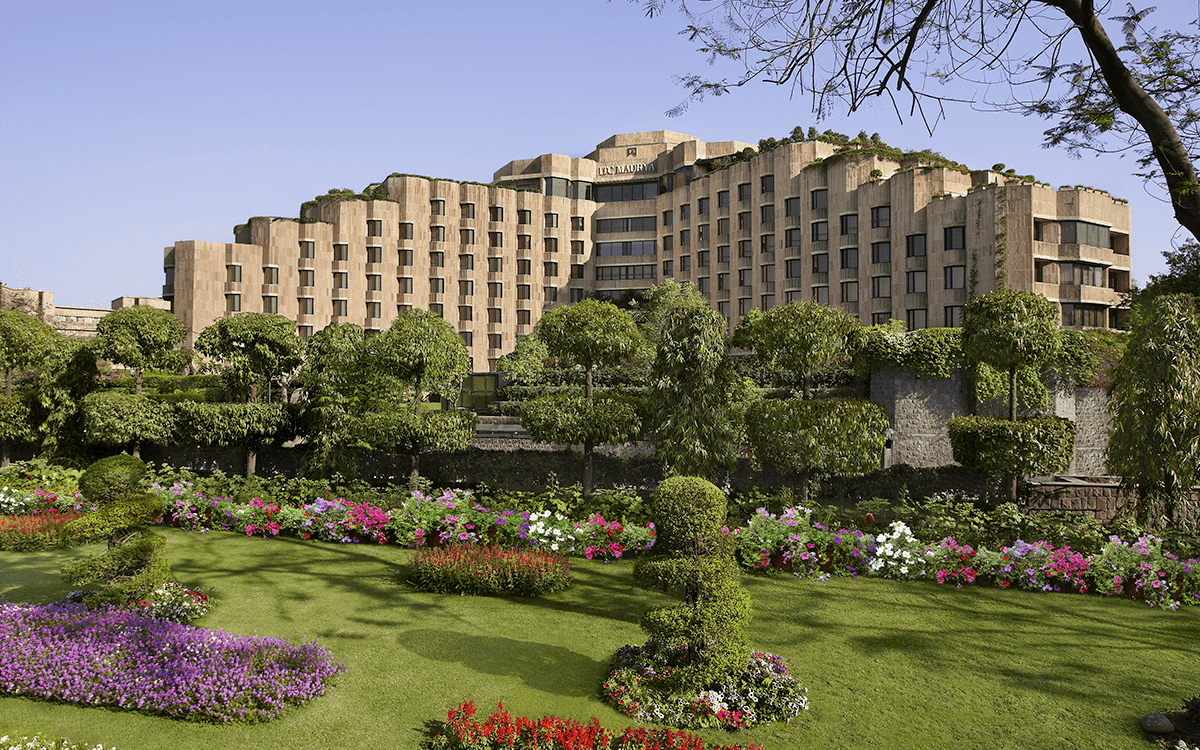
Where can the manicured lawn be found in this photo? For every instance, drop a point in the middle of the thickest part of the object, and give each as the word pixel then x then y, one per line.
pixel 888 665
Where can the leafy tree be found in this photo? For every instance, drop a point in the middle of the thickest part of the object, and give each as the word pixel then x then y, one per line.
pixel 116 418
pixel 590 333
pixel 67 375
pixel 139 338
pixel 245 426
pixel 255 348
pixel 1155 405
pixel 420 354
pixel 25 343
pixel 527 362
pixel 799 337
pixel 696 397
pixel 1140 94
pixel 1182 276
pixel 1009 330
pixel 336 388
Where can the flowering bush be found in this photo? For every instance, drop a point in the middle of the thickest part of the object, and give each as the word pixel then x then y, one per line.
pixel 453 516
pixel 766 534
pixel 951 561
pixel 599 539
pixel 552 531
pixel 34 532
pixel 37 743
pixel 489 570
pixel 104 656
pixel 14 502
pixel 899 555
pixel 336 521
pixel 501 730
pixel 174 602
pixel 761 693
pixel 1144 570
pixel 1038 567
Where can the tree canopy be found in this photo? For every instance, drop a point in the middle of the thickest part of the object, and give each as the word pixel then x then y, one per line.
pixel 799 337
pixel 24 342
pixel 141 337
pixel 1138 93
pixel 1010 329
pixel 257 347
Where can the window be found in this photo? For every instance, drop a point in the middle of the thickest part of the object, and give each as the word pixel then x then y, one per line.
pixel 768 273
pixel 849 224
pixel 437 260
pixel 437 309
pixel 915 244
pixel 820 263
pixel 524 317
pixel 374 309
pixel 744 277
pixel 437 285
pixel 579 224
pixel 702 284
pixel 1086 233
pixel 524 241
pixel 495 264
pixel 495 340
pixel 495 289
pixel 1080 274
pixel 524 266
pixel 1091 316
pixel 374 282
pixel 723 253
pixel 791 238
pixel 849 291
pixel 466 312
pixel 341 252
pixel 685 238
pixel 791 207
pixel 702 207
pixel 745 305
pixel 406 230
pixel 577 247
pixel 308 249
pixel 954 316
pixel 744 191
pixel 820 200
pixel 437 207
pixel 702 259
pixel 341 308
pixel 767 214
pixel 768 301
pixel 668 268
pixel 849 257
pixel 437 233
pixel 468 338
pixel 270 304
pixel 768 183
pixel 341 280
pixel 955 238
pixel 405 257
pixel 374 254
pixel 793 268
pixel 305 305
pixel 550 268
pixel 305 332
pixel 723 308
pixel 820 231
pixel 466 287
pixel 881 287
pixel 722 227
pixel 271 275
pixel 820 295
pixel 374 228
pixel 722 281
pixel 495 213
pixel 881 216
pixel 685 212
pixel 668 217
pixel 405 283
pixel 550 293
pixel 523 291
pixel 745 249
pixel 551 221
pixel 576 270
pixel 550 244
pixel 668 243
pixel 767 243
pixel 524 216
pixel 916 282
pixel 466 262
pixel 956 277
pixel 702 234
pixel 467 210
pixel 495 315
pixel 881 252
pixel 685 264
pixel 308 277
pixel 880 318
pixel 917 319
pixel 723 199
pixel 233 274
pixel 630 224
pixel 466 236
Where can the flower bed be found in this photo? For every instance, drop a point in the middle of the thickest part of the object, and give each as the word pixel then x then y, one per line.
pixel 502 730
pixel 37 742
pixel 489 570
pixel 109 657
pixel 34 532
pixel 763 692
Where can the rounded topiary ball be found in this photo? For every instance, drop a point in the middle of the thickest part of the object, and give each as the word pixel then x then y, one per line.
pixel 688 512
pixel 112 480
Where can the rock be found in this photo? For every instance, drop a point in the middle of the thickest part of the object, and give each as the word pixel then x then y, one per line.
pixel 1157 724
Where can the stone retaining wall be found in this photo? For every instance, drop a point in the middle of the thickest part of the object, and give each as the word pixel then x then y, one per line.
pixel 1100 499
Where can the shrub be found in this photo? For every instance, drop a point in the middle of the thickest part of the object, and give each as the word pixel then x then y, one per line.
pixel 1034 445
pixel 489 570
pixel 113 479
pixel 1037 567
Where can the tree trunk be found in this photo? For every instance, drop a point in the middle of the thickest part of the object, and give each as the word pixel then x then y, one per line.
pixel 588 466
pixel 3 454
pixel 254 392
pixel 251 460
pixel 1012 392
pixel 414 469
pixel 137 448
pixel 1011 484
pixel 137 383
pixel 805 482
pixel 8 378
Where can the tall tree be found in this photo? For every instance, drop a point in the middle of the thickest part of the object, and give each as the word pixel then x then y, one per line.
pixel 336 388
pixel 1182 276
pixel 139 338
pixel 1155 405
pixel 256 348
pixel 1140 94
pixel 798 337
pixel 25 344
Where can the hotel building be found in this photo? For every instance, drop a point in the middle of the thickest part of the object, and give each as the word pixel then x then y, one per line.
pixel 808 220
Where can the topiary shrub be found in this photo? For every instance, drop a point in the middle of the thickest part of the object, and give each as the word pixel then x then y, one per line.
pixel 1036 446
pixel 134 563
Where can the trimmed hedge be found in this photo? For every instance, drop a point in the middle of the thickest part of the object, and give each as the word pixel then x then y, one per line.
pixel 1036 446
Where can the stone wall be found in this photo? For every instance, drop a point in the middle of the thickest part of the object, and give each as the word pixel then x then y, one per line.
pixel 1096 497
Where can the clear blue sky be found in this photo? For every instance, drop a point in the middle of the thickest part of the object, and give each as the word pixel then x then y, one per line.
pixel 130 125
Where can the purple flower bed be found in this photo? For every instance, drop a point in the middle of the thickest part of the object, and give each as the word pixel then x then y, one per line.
pixel 110 657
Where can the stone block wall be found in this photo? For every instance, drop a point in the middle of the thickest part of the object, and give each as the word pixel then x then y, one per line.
pixel 1098 499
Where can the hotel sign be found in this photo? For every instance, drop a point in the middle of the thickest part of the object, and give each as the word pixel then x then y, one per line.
pixel 627 168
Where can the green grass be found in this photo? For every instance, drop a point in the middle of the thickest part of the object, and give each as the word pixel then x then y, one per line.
pixel 887 664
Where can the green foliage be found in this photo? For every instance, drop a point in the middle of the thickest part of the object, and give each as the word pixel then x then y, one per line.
pixel 489 571
pixel 256 348
pixel 1155 404
pixel 1037 446
pixel 1010 329
pixel 135 511
pixel 29 475
pixel 931 353
pixel 130 571
pixel 800 336
pixel 828 436
pixel 16 422
pixel 336 388
pixel 413 432
pixel 526 363
pixel 590 333
pixel 420 350
pixel 693 557
pixel 231 425
pixel 25 342
pixel 1182 276
pixel 1087 357
pixel 141 337
pixel 115 418
pixel 571 419
pixel 112 480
